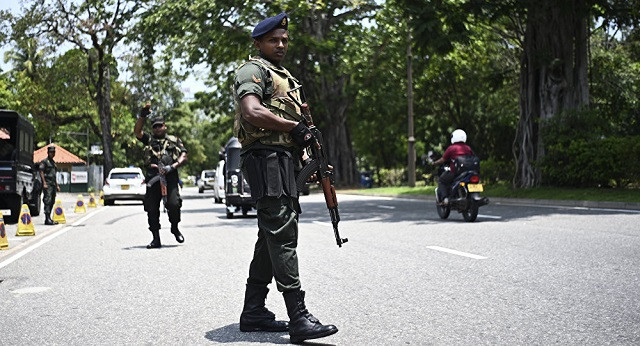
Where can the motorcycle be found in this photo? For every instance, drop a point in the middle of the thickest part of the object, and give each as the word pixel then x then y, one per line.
pixel 464 196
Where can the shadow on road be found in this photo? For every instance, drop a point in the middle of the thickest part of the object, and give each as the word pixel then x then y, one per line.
pixel 232 333
pixel 139 247
pixel 421 211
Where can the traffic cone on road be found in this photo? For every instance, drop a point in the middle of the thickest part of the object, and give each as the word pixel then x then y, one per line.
pixel 80 207
pixel 58 213
pixel 92 201
pixel 25 224
pixel 4 242
pixel 101 197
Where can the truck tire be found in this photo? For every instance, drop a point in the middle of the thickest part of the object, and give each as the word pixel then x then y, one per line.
pixel 14 203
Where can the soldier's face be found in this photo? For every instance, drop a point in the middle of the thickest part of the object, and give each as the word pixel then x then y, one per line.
pixel 273 45
pixel 159 130
pixel 51 154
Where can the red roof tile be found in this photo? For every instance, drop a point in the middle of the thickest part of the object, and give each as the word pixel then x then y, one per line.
pixel 62 155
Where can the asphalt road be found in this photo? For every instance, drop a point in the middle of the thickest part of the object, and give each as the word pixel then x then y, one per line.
pixel 519 275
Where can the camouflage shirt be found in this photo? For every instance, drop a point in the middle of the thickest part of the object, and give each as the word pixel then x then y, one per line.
pixel 49 169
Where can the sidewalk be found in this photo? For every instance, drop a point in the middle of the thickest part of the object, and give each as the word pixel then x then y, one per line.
pixel 525 201
pixel 68 200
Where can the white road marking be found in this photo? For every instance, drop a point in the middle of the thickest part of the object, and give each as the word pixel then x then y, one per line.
pixel 46 240
pixel 386 206
pixel 490 216
pixel 31 290
pixel 456 252
pixel 325 224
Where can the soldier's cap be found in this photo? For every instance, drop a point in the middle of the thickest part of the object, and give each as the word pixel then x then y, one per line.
pixel 51 149
pixel 157 120
pixel 280 21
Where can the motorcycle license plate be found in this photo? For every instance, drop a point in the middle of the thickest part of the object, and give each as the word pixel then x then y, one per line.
pixel 124 187
pixel 475 187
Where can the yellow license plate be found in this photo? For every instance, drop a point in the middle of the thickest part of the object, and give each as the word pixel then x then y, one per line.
pixel 475 187
pixel 124 187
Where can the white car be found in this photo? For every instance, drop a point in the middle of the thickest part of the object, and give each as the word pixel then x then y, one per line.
pixel 218 184
pixel 124 183
pixel 206 180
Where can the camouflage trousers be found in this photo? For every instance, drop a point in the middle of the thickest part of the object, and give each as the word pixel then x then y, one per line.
pixel 275 254
pixel 48 199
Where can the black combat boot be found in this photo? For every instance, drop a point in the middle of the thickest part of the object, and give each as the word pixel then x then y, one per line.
pixel 155 243
pixel 49 221
pixel 303 325
pixel 177 234
pixel 255 316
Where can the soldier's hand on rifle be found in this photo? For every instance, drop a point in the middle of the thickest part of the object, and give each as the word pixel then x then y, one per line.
pixel 166 169
pixel 302 135
pixel 145 111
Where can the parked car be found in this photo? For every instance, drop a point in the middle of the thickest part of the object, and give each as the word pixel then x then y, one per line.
pixel 206 180
pixel 124 184
pixel 218 184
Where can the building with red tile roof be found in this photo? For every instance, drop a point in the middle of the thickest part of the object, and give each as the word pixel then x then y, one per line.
pixel 62 155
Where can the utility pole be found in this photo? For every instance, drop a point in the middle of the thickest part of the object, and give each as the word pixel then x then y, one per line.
pixel 411 170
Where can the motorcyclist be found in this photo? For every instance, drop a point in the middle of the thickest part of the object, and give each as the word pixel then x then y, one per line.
pixel 457 148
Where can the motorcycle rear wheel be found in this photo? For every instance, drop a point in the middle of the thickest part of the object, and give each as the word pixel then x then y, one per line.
pixel 471 213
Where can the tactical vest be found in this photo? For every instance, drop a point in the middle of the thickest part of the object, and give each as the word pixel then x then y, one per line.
pixel 49 170
pixel 164 151
pixel 278 81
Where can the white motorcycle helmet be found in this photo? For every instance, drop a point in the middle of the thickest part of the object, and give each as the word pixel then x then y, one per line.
pixel 458 136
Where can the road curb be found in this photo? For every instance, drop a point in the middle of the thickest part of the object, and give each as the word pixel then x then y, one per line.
pixel 527 201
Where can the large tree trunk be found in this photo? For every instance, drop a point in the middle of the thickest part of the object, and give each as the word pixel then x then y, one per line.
pixel 326 92
pixel 103 99
pixel 553 77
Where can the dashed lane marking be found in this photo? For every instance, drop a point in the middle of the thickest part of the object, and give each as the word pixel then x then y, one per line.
pixel 456 252
pixel 490 216
pixel 386 207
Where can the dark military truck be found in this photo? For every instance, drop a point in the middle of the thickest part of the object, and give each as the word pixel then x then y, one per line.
pixel 19 181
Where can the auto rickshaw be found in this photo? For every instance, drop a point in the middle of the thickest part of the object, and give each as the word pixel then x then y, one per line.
pixel 237 190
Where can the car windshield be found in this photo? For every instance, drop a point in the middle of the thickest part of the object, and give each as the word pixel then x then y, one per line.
pixel 209 174
pixel 125 175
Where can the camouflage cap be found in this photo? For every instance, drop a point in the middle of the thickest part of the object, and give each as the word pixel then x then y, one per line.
pixel 157 120
pixel 51 149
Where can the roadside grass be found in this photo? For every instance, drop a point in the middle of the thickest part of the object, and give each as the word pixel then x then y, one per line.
pixel 503 190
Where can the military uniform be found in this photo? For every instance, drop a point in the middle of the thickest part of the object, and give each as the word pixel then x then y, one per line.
pixel 270 161
pixel 49 169
pixel 162 152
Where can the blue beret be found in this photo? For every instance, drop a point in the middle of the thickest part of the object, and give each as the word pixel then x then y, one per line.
pixel 280 21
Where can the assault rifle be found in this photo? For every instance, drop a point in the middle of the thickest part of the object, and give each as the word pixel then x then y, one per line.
pixel 163 186
pixel 318 165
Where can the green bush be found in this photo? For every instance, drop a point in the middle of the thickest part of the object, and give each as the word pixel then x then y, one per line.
pixel 390 177
pixel 493 171
pixel 592 163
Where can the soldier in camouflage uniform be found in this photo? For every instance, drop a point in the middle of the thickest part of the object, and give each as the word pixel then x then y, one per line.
pixel 163 155
pixel 48 170
pixel 268 125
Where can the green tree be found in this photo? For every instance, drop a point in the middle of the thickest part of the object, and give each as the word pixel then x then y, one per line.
pixel 218 33
pixel 96 28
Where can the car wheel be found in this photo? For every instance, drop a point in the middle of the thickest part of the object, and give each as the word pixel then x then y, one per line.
pixel 200 190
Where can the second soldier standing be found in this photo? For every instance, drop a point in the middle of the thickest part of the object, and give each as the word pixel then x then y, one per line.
pixel 268 125
pixel 163 155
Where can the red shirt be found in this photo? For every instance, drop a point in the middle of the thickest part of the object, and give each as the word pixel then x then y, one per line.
pixel 455 150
